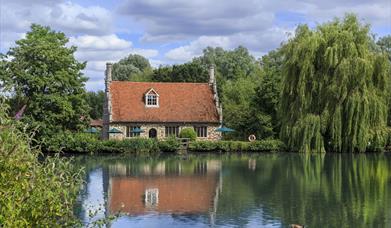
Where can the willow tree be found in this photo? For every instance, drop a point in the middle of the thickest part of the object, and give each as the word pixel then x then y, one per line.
pixel 334 95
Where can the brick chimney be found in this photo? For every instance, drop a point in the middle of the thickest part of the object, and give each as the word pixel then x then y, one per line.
pixel 213 84
pixel 107 102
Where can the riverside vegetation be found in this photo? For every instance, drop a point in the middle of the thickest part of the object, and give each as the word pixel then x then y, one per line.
pixel 34 192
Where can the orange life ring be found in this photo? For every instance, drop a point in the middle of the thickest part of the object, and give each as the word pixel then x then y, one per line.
pixel 252 138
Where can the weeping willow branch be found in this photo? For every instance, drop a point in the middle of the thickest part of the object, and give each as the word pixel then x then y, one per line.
pixel 334 96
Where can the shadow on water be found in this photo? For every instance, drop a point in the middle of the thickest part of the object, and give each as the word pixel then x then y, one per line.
pixel 253 190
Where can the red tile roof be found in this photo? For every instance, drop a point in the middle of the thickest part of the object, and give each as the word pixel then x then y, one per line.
pixel 178 102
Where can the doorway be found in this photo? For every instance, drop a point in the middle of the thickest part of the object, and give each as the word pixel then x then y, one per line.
pixel 152 133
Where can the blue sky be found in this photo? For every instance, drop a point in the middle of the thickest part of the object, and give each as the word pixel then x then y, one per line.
pixel 175 31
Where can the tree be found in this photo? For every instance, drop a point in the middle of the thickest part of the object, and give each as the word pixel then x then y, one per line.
pixel 132 68
pixel 237 104
pixel 385 45
pixel 187 72
pixel 267 95
pixel 334 92
pixel 44 76
pixel 95 100
pixel 230 65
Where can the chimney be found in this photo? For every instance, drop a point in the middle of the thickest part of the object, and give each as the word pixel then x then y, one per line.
pixel 107 102
pixel 212 78
pixel 108 78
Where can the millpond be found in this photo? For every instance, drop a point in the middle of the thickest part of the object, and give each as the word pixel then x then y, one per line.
pixel 247 190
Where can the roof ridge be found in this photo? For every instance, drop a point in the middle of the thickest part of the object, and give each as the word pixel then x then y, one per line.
pixel 200 83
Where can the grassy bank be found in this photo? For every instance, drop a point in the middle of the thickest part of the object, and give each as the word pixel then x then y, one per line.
pixel 88 143
pixel 267 145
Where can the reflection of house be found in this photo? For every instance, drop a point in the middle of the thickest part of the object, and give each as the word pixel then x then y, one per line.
pixel 176 193
pixel 159 110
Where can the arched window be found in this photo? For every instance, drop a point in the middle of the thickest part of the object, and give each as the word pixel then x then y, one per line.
pixel 151 98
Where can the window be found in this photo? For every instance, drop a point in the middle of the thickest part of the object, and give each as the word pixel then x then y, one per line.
pixel 201 131
pixel 129 132
pixel 172 130
pixel 151 197
pixel 151 98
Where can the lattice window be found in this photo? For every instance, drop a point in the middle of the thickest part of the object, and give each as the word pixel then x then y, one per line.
pixel 129 132
pixel 202 131
pixel 172 130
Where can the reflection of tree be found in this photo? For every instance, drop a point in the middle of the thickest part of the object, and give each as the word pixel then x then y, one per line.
pixel 337 190
pixel 316 190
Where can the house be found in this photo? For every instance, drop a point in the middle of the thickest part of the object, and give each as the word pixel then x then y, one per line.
pixel 159 109
pixel 96 123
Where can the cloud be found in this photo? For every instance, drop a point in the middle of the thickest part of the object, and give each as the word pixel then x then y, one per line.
pixel 68 17
pixel 108 42
pixel 257 42
pixel 98 50
pixel 166 20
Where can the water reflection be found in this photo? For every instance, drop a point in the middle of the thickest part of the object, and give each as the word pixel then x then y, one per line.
pixel 267 190
pixel 164 188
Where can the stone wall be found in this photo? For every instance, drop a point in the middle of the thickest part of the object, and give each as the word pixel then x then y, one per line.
pixel 213 135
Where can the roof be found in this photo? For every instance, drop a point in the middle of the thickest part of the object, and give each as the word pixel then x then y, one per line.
pixel 96 123
pixel 178 102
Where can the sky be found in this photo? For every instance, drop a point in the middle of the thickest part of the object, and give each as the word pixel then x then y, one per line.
pixel 174 31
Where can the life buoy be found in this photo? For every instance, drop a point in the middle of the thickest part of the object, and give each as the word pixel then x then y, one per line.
pixel 252 138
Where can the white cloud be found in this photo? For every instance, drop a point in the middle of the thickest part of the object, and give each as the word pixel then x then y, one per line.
pixel 71 18
pixel 257 42
pixel 98 50
pixel 108 42
pixel 187 52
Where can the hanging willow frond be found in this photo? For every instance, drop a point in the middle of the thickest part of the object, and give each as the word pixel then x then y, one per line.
pixel 334 95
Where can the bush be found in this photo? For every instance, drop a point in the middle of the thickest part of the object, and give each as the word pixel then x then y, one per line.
pixel 188 133
pixel 171 144
pixel 34 193
pixel 74 143
pixel 267 145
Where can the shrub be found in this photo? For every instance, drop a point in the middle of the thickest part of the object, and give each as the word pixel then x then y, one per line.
pixel 34 193
pixel 171 144
pixel 73 142
pixel 188 132
pixel 266 145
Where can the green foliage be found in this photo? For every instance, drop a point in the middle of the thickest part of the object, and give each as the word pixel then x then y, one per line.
pixel 171 144
pixel 334 92
pixel 132 68
pixel 385 45
pixel 230 65
pixel 95 100
pixel 267 145
pixel 188 133
pixel 267 95
pixel 42 73
pixel 238 110
pixel 73 143
pixel 34 193
pixel 187 72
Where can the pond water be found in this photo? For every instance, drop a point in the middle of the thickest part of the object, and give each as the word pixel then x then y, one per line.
pixel 258 190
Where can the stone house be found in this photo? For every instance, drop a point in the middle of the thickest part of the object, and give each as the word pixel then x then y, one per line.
pixel 160 109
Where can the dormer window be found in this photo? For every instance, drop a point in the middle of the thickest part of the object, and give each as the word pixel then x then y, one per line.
pixel 151 98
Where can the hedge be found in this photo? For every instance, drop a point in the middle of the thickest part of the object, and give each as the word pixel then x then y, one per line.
pixel 267 145
pixel 90 143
